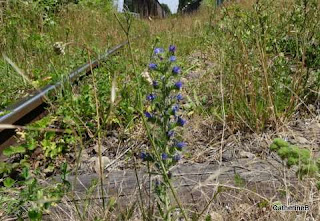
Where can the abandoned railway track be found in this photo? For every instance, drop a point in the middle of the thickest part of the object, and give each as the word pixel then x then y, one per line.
pixel 33 107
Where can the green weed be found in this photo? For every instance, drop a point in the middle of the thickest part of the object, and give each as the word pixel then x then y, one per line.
pixel 296 156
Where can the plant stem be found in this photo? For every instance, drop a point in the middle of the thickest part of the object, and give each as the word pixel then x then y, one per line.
pixel 99 133
pixel 163 169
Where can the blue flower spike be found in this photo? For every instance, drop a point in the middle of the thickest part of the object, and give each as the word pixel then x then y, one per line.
pixel 164 156
pixel 181 122
pixel 151 97
pixel 179 97
pixel 180 145
pixel 178 85
pixel 164 110
pixel 176 70
pixel 143 156
pixel 158 51
pixel 155 84
pixel 153 66
pixel 177 157
pixel 172 48
pixel 172 59
pixel 147 114
pixel 175 109
pixel 170 133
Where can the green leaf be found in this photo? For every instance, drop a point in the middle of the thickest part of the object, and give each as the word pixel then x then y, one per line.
pixel 274 147
pixel 8 182
pixel 32 144
pixel 8 151
pixel 19 149
pixel 111 203
pixel 208 218
pixel 13 150
pixel 44 122
pixel 68 131
pixel 239 181
pixel 25 173
pixel 5 167
pixel 280 142
pixel 49 135
pixel 318 185
pixel 34 215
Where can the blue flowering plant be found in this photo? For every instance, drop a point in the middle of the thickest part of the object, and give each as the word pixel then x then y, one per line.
pixel 163 116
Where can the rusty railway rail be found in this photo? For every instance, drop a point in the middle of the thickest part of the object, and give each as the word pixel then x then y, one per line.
pixel 30 108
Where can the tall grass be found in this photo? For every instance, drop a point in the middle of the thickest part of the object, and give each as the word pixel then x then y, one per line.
pixel 29 39
pixel 268 57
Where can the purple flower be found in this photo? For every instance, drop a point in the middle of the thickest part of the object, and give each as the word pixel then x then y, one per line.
pixel 147 114
pixel 181 122
pixel 153 66
pixel 143 156
pixel 170 133
pixel 172 48
pixel 164 156
pixel 179 97
pixel 151 97
pixel 155 84
pixel 180 145
pixel 176 157
pixel 172 59
pixel 175 109
pixel 158 50
pixel 178 85
pixel 176 70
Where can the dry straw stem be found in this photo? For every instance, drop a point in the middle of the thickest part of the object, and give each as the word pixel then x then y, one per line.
pixel 11 126
pixel 301 101
pixel 223 111
pixel 99 130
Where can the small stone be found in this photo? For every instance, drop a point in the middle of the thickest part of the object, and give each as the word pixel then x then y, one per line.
pixel 96 148
pixel 105 162
pixel 227 155
pixel 245 154
pixel 84 155
pixel 301 140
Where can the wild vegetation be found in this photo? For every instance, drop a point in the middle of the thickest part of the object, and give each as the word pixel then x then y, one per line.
pixel 248 68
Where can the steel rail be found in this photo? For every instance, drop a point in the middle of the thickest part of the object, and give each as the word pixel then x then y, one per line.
pixel 36 102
